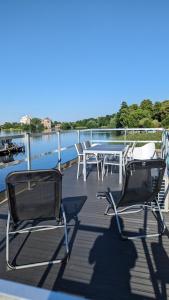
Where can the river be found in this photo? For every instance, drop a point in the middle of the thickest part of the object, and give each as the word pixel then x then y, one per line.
pixel 47 143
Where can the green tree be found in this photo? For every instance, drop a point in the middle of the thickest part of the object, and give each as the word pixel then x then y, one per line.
pixel 65 126
pixel 157 111
pixel 123 105
pixel 36 121
pixel 145 123
pixel 26 127
pixel 146 104
pixel 165 122
pixel 164 109
pixel 133 107
pixel 155 123
pixel 122 116
pixel 92 124
pixel 112 123
pixel 36 125
pixel 7 125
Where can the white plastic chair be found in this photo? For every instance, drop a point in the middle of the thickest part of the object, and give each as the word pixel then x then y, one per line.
pixel 144 152
pixel 89 159
pixel 113 160
pixel 87 144
pixel 130 151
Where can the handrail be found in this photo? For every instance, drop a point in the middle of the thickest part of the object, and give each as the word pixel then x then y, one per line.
pixel 122 129
pixel 125 141
pixel 60 149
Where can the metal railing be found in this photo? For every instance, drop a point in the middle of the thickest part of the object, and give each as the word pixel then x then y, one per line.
pixel 59 149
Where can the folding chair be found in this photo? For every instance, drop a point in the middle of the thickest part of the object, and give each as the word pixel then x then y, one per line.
pixel 34 196
pixel 142 183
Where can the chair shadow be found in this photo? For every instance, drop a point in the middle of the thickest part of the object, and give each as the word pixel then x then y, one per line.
pixel 72 206
pixel 112 259
pixel 160 274
pixel 3 216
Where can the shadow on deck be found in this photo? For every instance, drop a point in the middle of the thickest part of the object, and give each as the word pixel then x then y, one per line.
pixel 101 265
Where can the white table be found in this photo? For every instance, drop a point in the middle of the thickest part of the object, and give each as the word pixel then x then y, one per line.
pixel 117 149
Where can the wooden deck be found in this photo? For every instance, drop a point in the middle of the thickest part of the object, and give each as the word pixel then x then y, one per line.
pixel 101 265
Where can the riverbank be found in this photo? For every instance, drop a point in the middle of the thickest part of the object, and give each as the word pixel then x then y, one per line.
pixel 142 136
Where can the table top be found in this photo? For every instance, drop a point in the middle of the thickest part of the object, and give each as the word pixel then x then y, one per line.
pixel 106 148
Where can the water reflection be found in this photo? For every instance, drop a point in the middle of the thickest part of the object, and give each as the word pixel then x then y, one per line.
pixel 6 159
pixel 49 142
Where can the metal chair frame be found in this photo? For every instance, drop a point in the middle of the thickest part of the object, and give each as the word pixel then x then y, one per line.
pixel 114 162
pixel 61 224
pixel 91 160
pixel 86 144
pixel 138 208
pixel 135 208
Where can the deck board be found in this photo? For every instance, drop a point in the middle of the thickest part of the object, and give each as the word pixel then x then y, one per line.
pixel 101 265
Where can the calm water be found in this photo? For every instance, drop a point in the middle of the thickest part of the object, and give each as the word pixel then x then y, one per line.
pixel 44 144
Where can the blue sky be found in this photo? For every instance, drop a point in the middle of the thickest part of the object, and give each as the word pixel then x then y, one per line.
pixel 73 59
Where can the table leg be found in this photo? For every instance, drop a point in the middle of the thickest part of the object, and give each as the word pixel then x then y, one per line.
pixel 120 168
pixel 84 166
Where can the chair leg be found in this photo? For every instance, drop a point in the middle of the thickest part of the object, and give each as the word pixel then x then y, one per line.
pixel 161 216
pixel 107 170
pixel 98 175
pixel 7 240
pixel 65 231
pixel 78 168
pixel 116 213
pixel 103 170
pixel 10 266
pixel 111 170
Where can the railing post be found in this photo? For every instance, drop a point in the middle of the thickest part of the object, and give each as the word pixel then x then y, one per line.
pixel 166 143
pixel 91 136
pixel 78 136
pixel 162 144
pixel 59 151
pixel 28 147
pixel 125 135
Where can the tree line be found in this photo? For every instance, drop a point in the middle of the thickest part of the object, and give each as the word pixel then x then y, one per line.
pixel 35 125
pixel 145 115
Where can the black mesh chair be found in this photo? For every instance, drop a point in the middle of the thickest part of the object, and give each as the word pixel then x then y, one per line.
pixel 141 185
pixel 34 196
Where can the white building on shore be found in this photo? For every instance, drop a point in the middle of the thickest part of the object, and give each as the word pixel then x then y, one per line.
pixel 26 120
pixel 47 123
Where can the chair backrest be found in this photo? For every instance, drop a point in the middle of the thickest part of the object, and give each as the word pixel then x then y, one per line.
pixel 126 151
pixel 79 148
pixel 87 144
pixel 145 152
pixel 34 194
pixel 142 181
pixel 130 150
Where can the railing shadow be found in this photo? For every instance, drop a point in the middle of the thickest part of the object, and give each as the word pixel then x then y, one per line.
pixel 161 261
pixel 158 263
pixel 3 216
